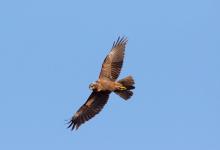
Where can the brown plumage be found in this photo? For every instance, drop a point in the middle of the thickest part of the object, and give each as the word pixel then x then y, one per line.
pixel 113 62
pixel 106 84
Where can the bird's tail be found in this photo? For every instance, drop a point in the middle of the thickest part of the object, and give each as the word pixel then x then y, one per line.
pixel 128 83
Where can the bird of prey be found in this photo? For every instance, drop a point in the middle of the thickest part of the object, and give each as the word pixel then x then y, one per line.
pixel 106 83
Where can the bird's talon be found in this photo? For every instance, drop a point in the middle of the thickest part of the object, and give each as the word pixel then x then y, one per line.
pixel 122 88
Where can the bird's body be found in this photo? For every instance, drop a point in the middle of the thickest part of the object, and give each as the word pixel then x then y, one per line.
pixel 106 84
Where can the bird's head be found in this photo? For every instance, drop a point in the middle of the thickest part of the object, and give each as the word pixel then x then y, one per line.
pixel 93 86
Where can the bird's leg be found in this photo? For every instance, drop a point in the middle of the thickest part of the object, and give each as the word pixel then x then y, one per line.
pixel 122 88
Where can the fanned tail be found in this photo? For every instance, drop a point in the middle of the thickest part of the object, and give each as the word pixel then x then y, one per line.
pixel 127 82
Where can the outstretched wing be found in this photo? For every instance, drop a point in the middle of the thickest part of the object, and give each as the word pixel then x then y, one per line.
pixel 92 106
pixel 112 64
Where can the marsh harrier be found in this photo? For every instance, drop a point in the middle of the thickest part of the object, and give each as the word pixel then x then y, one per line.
pixel 106 84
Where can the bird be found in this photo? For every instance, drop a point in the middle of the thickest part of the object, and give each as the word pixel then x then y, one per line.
pixel 105 85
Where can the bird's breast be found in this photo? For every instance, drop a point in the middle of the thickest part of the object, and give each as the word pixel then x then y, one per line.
pixel 105 85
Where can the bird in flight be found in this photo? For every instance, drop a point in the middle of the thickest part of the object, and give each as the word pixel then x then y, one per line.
pixel 106 83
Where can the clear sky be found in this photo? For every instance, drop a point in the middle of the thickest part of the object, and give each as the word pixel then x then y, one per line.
pixel 50 51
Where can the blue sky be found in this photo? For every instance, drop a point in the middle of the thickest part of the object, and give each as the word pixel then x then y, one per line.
pixel 51 51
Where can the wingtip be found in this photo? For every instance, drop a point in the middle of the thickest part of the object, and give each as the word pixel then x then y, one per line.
pixel 121 40
pixel 71 125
